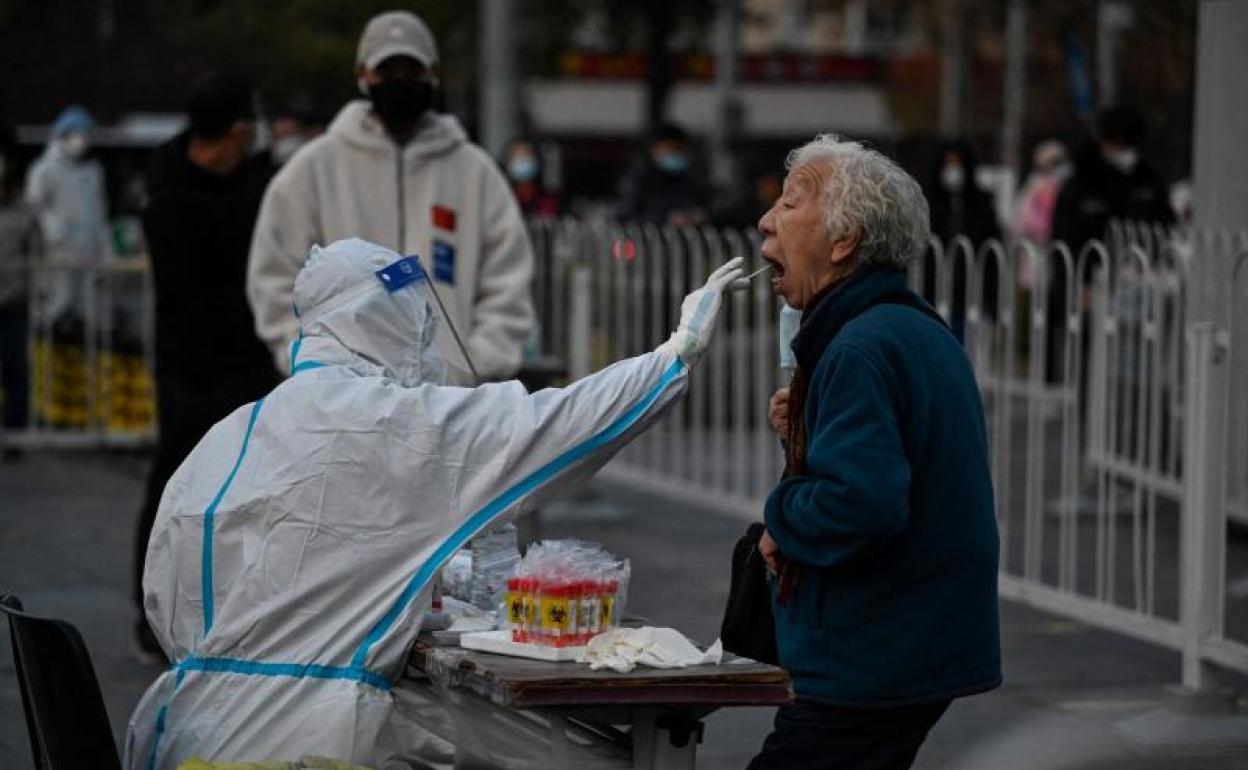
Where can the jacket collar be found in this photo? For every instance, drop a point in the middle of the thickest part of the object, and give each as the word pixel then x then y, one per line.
pixel 838 305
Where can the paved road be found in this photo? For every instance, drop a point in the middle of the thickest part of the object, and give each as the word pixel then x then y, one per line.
pixel 1075 697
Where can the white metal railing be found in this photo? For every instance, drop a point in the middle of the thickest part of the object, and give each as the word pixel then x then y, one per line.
pixel 1113 385
pixel 1088 364
pixel 90 353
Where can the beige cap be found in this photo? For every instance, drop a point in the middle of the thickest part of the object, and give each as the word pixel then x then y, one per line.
pixel 396 33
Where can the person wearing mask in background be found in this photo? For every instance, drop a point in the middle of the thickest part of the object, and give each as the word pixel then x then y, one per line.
pixel 1037 202
pixel 1111 182
pixel 959 206
pixel 522 163
pixel 661 188
pixel 882 533
pixel 292 127
pixel 394 171
pixel 1033 220
pixel 205 187
pixel 17 240
pixel 65 189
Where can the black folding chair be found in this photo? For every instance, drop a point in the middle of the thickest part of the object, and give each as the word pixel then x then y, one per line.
pixel 65 712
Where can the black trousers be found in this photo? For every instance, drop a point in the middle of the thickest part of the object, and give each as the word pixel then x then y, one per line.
pixel 811 734
pixel 14 365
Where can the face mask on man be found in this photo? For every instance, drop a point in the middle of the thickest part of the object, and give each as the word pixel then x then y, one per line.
pixel 953 178
pixel 1124 159
pixel 399 104
pixel 285 148
pixel 672 162
pixel 522 168
pixel 75 145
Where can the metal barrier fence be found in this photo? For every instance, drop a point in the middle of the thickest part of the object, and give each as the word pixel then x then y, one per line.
pixel 1113 380
pixel 91 351
pixel 1118 428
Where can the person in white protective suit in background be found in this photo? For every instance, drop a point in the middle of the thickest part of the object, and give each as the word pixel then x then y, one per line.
pixel 65 189
pixel 292 556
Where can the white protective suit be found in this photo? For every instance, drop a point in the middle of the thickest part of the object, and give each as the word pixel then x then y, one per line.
pixel 439 196
pixel 291 559
pixel 70 202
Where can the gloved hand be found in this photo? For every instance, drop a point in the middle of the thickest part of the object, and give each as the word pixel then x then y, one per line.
pixel 700 309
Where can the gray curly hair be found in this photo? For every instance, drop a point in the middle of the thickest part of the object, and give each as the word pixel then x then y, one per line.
pixel 869 193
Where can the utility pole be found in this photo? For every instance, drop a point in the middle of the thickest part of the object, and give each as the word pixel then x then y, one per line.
pixel 1112 17
pixel 499 69
pixel 856 27
pixel 1015 97
pixel 727 126
pixel 953 71
pixel 1219 154
pixel 1212 433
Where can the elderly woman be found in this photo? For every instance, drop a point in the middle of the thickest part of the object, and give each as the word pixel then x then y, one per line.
pixel 882 531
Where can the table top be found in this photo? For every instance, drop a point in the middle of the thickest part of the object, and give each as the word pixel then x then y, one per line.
pixel 523 683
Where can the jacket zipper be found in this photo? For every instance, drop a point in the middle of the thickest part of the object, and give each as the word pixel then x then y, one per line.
pixel 398 169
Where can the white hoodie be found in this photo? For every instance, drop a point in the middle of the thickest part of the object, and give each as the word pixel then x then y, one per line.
pixel 440 197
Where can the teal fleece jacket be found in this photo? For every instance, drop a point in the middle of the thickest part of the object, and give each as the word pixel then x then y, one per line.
pixel 892 519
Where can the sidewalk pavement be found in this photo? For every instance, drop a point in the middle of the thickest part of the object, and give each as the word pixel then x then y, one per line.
pixel 1075 697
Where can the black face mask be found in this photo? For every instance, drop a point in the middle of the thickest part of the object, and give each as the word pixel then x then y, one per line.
pixel 400 104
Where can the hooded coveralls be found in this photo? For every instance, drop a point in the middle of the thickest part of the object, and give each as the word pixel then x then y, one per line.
pixel 293 551
pixel 68 197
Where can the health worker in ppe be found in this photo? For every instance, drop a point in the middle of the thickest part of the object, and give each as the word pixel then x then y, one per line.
pixel 65 189
pixel 292 555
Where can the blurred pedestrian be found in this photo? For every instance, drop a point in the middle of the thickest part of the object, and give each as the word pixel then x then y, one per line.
pixel 205 187
pixel 65 188
pixel 960 206
pixel 17 240
pixel 1037 201
pixel 1033 220
pixel 293 126
pixel 395 171
pixel 661 187
pixel 523 164
pixel 882 534
pixel 1111 182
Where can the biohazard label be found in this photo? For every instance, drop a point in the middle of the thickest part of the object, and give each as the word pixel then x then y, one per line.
pixel 555 615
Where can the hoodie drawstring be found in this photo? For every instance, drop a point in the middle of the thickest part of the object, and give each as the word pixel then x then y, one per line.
pixel 398 168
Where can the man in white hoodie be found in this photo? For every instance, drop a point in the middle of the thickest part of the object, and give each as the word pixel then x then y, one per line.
pixel 394 172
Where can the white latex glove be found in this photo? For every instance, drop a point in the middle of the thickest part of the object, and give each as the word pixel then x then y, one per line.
pixel 700 309
pixel 623 649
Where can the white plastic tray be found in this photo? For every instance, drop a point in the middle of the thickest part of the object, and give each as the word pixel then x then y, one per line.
pixel 500 642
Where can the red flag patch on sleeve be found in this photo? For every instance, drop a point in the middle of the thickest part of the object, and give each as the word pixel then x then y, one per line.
pixel 444 218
